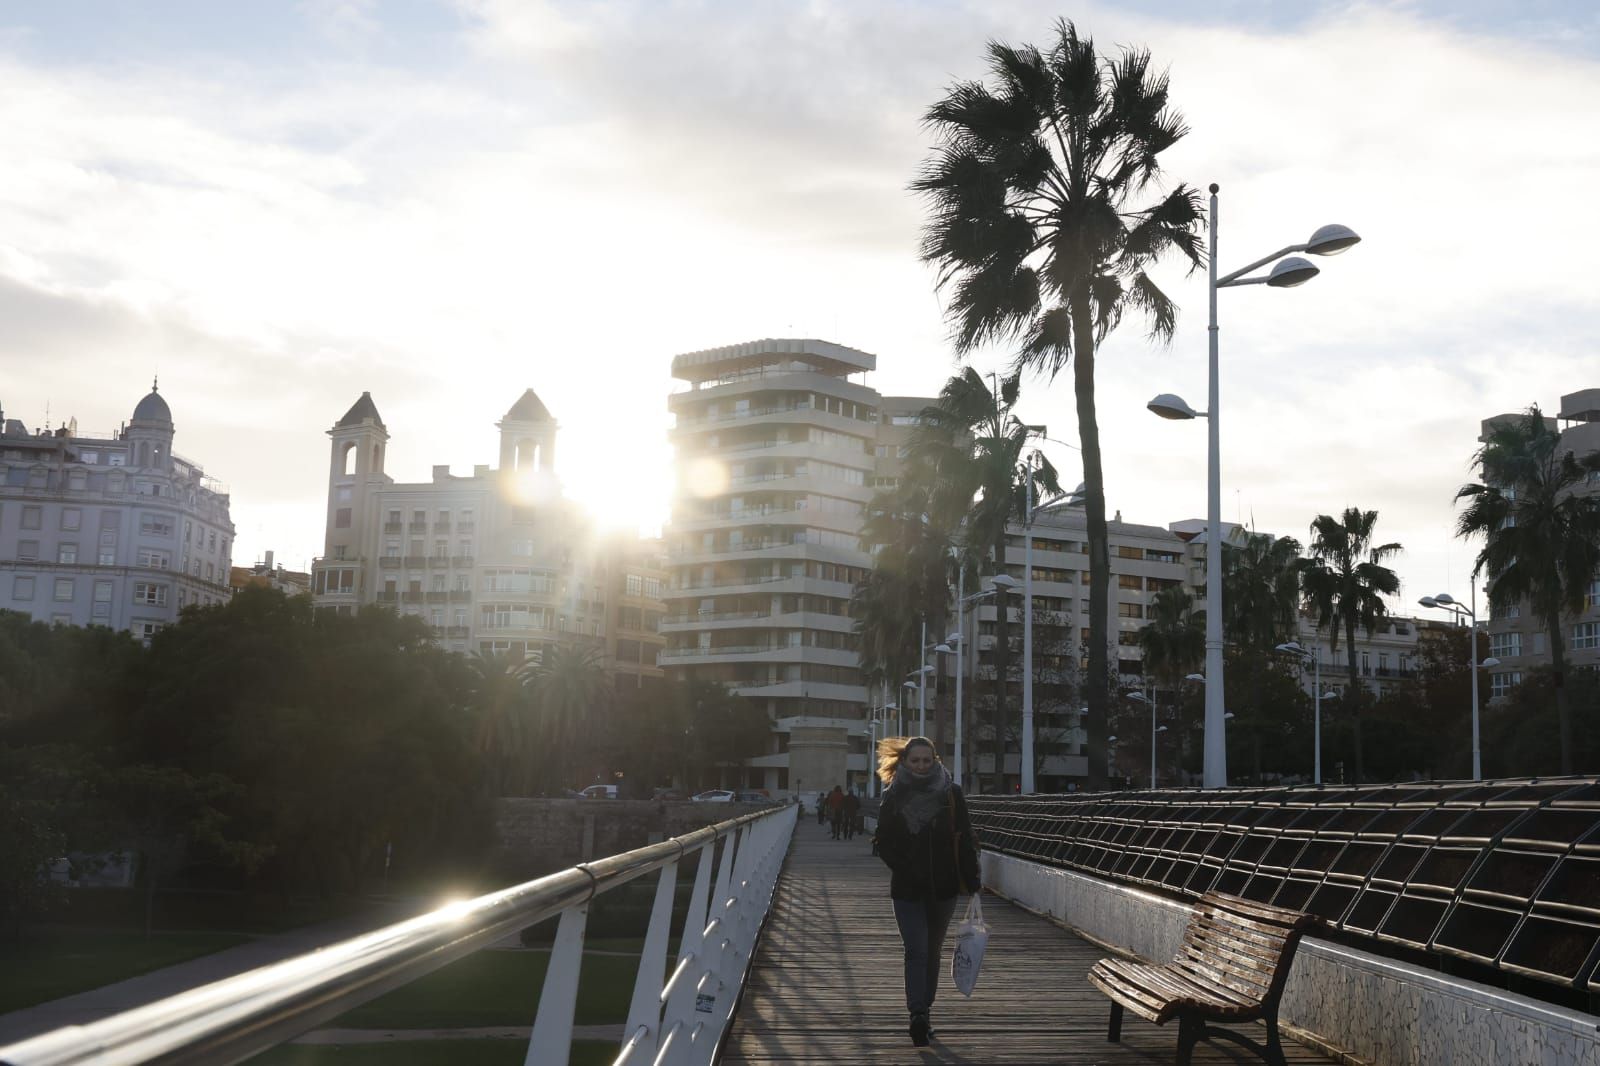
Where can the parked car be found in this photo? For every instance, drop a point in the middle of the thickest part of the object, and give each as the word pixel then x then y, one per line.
pixel 715 795
pixel 753 795
pixel 667 794
pixel 600 792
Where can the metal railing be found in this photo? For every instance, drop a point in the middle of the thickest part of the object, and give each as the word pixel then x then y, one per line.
pixel 678 1021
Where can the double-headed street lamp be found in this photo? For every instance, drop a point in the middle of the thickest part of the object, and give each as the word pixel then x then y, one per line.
pixel 957 641
pixel 1448 602
pixel 1293 648
pixel 1031 512
pixel 1288 270
pixel 1154 731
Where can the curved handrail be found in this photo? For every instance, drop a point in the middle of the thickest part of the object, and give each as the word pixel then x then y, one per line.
pixel 232 1019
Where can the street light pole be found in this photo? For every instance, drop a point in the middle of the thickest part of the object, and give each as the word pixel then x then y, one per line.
pixel 1448 602
pixel 1315 656
pixel 1285 273
pixel 1027 636
pixel 961 650
pixel 922 682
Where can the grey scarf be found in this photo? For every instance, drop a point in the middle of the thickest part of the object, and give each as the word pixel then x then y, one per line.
pixel 921 797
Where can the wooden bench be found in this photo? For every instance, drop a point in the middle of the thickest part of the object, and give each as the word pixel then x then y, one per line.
pixel 1232 968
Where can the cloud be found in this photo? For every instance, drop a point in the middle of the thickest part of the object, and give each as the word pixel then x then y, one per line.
pixel 562 196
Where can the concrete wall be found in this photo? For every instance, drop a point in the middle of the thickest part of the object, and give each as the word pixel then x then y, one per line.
pixel 539 835
pixel 1369 1008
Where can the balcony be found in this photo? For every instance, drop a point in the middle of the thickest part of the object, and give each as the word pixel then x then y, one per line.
pixel 416 562
pixel 417 528
pixel 462 562
pixel 460 595
pixel 458 632
pixel 389 562
pixel 466 527
pixel 438 596
pixel 411 596
pixel 441 527
pixel 392 527
pixel 439 560
pixel 388 597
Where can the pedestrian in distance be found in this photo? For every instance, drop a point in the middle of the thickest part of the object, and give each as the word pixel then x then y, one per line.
pixel 850 810
pixel 836 810
pixel 925 838
pixel 822 807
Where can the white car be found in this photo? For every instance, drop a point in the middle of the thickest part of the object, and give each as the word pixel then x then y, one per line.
pixel 715 795
pixel 600 792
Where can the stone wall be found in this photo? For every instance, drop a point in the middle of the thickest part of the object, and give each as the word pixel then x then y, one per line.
pixel 537 836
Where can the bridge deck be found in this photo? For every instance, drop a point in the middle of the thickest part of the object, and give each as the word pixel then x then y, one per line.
pixel 826 982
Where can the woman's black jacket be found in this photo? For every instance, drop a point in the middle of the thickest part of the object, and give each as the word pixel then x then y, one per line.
pixel 940 862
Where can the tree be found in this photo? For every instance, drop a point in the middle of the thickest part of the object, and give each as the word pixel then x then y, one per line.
pixel 1345 582
pixel 1033 221
pixel 1541 537
pixel 572 697
pixel 502 703
pixel 1261 592
pixel 973 452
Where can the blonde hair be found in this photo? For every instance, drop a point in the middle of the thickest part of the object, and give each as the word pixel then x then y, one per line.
pixel 892 749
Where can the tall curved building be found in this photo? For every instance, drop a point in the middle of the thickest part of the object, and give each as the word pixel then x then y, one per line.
pixel 779 445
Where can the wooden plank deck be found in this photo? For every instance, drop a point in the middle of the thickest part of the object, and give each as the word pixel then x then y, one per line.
pixel 826 983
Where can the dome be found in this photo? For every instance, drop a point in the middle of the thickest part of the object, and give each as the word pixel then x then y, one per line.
pixel 152 408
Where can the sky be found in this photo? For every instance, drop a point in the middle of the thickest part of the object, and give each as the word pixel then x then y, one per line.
pixel 276 206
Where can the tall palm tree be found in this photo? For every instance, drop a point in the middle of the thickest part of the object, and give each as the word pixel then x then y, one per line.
pixel 1261 592
pixel 1541 538
pixel 570 684
pixel 1038 218
pixel 1345 582
pixel 974 452
pixel 1173 640
pixel 499 687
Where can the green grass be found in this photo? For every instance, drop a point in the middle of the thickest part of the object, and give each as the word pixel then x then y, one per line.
pixel 496 988
pixel 427 1053
pixel 52 962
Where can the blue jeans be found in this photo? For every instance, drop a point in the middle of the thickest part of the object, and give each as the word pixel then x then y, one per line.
pixel 923 924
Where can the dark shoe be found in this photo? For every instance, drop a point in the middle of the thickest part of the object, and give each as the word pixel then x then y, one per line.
pixel 920 1032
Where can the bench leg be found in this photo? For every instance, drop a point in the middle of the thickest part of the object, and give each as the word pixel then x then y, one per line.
pixel 1274 1053
pixel 1114 1031
pixel 1189 1033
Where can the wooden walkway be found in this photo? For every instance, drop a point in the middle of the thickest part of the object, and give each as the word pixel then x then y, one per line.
pixel 826 984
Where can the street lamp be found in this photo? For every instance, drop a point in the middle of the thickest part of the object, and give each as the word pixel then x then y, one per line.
pixel 1285 273
pixel 1293 648
pixel 1030 512
pixel 1142 698
pixel 1448 602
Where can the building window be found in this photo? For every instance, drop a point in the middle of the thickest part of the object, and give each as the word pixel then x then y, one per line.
pixel 441 548
pixel 64 590
pixel 652 588
pixel 151 559
pixel 1502 683
pixel 634 585
pixel 1591 599
pixel 1505 645
pixel 148 593
pixel 341 518
pixel 155 525
pixel 1585 635
pixel 32 517
pixel 71 518
pixel 66 552
pixel 27 551
pixel 145 630
pixel 102 599
pixel 1130 582
pixel 391 549
pixel 22 588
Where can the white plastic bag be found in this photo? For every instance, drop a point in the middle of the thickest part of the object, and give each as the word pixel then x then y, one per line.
pixel 972 937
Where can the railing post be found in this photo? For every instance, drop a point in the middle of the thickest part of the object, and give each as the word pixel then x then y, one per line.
pixel 552 1026
pixel 642 1033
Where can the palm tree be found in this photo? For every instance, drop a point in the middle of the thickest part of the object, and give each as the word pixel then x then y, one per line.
pixel 499 692
pixel 1174 640
pixel 1541 538
pixel 1033 219
pixel 1261 592
pixel 1345 582
pixel 570 683
pixel 972 451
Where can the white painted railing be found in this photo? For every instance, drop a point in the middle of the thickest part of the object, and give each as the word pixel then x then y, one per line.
pixel 674 1022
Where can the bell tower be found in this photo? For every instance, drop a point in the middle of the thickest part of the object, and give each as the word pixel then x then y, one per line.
pixel 355 471
pixel 150 432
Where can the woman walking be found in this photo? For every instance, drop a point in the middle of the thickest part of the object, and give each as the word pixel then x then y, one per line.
pixel 925 837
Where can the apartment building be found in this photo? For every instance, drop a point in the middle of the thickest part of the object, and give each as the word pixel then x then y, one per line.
pixel 779 445
pixel 1516 637
pixel 270 574
pixel 497 561
pixel 109 528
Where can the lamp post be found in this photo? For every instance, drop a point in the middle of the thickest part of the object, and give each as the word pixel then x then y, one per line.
pixel 1285 273
pixel 1448 602
pixel 1029 514
pixel 1293 648
pixel 999 585
pixel 1142 698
